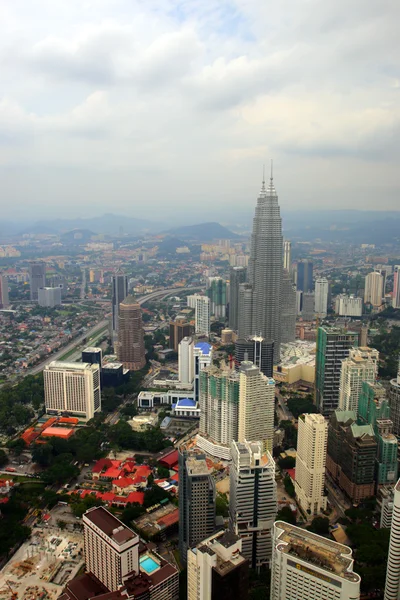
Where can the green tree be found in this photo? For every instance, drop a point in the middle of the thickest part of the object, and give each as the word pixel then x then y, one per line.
pixel 289 487
pixel 287 463
pixel 3 458
pixel 287 515
pixel 319 525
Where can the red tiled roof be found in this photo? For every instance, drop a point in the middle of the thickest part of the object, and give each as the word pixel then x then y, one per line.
pixel 136 497
pixel 113 473
pixel 170 459
pixel 123 482
pixel 99 466
pixel 170 519
pixel 291 473
pixel 175 477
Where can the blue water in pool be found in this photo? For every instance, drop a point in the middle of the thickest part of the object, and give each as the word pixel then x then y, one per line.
pixel 148 564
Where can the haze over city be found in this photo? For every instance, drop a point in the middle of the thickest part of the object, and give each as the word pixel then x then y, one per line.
pixel 146 108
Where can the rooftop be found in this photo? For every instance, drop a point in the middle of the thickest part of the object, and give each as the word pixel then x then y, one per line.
pixel 110 525
pixel 186 403
pixel 59 364
pixel 92 349
pixel 196 466
pixel 205 347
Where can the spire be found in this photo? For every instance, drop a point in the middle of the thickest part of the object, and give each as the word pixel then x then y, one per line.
pixel 263 181
pixel 271 191
pixel 272 170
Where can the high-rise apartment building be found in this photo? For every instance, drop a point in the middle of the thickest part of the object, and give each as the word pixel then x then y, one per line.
pixel 351 455
pixel 396 287
pixel 394 402
pixel 265 268
pixel 37 278
pixel 348 306
pixel 202 355
pixel 321 296
pixel 178 330
pixel 256 405
pixel 111 548
pixel 186 360
pixel 310 463
pixel 304 276
pixel 119 293
pixel 216 292
pixel 236 277
pixel 245 295
pixel 217 570
pixel 307 566
pixel 289 309
pixel 333 346
pixel 72 388
pixel 196 500
pixel 392 586
pixel 219 406
pixel 287 255
pixel 307 306
pixel 130 345
pixel 49 297
pixel 361 365
pixel 253 501
pixel 4 301
pixel 202 315
pixel 256 350
pixel 373 290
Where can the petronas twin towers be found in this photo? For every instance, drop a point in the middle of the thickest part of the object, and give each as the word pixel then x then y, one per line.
pixel 260 297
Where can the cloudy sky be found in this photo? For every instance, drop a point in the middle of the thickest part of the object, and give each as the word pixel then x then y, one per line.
pixel 153 107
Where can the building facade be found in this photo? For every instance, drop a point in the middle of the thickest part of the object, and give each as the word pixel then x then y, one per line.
pixel 202 355
pixel 49 297
pixel 236 277
pixel 202 315
pixel 256 350
pixel 93 356
pixel 130 345
pixel 392 587
pixel 307 566
pixel 394 402
pixel 4 300
pixel 304 276
pixel 245 312
pixel 348 306
pixel 37 278
pixel 373 289
pixel 361 365
pixel 186 360
pixel 333 346
pixel 308 306
pixel 216 292
pixel 72 388
pixel 321 297
pixel 289 309
pixel 119 293
pixel 396 287
pixel 178 330
pixel 287 255
pixel 310 463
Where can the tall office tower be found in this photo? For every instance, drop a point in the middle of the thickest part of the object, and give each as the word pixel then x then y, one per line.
pixel 252 501
pixel 333 346
pixel 256 405
pixel 348 306
pixel 49 297
pixel 321 296
pixel 92 355
pixel 245 310
pixel 361 365
pixel 392 586
pixel 219 411
pixel 37 277
pixel 178 330
pixel 186 360
pixel 130 345
pixel 287 255
pixel 202 315
pixel 59 281
pixel 394 402
pixel 288 314
pixel 202 356
pixel 217 570
pixel 196 500
pixel 373 291
pixel 4 302
pixel 307 566
pixel 304 279
pixel 236 277
pixel 217 294
pixel 373 409
pixel 310 463
pixel 299 302
pixel 396 287
pixel 351 455
pixel 265 268
pixel 72 388
pixel 307 306
pixel 363 336
pixel 256 350
pixel 119 293
pixel 111 548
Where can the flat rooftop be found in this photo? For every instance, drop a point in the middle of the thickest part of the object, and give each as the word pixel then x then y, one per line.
pixel 316 550
pixel 92 349
pixel 110 525
pixel 197 466
pixel 59 364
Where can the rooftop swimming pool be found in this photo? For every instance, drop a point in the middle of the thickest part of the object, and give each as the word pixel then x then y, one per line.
pixel 148 564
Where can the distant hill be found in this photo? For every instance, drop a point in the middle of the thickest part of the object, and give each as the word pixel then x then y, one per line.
pixel 109 224
pixel 77 236
pixel 203 231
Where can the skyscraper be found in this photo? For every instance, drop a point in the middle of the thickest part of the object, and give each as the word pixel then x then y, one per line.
pixel 333 346
pixel 373 291
pixel 256 350
pixel 93 356
pixel 289 309
pixel 361 365
pixel 253 501
pixel 307 566
pixel 37 277
pixel 217 293
pixel 202 315
pixel 186 360
pixel 396 287
pixel 202 354
pixel 394 402
pixel 392 587
pixel 245 302
pixel 321 296
pixel 49 297
pixel 310 463
pixel 73 388
pixel 119 293
pixel 348 306
pixel 178 330
pixel 130 345
pixel 256 406
pixel 307 306
pixel 4 302
pixel 287 255
pixel 304 276
pixel 196 500
pixel 265 268
pixel 236 277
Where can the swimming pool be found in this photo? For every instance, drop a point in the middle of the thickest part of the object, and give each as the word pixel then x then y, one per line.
pixel 148 564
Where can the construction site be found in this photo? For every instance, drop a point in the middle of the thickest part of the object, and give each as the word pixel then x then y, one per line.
pixel 40 569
